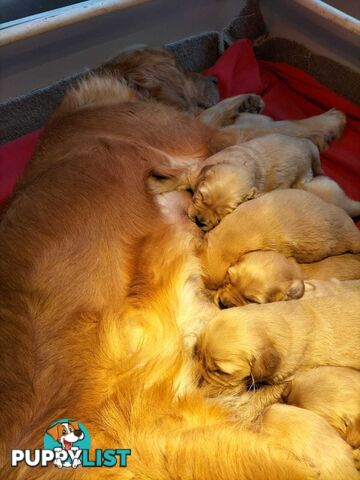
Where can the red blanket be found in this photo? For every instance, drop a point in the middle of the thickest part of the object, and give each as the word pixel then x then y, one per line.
pixel 288 93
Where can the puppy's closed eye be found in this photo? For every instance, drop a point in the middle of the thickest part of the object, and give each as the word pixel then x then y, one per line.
pixel 217 371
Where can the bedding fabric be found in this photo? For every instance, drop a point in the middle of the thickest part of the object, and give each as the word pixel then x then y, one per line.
pixel 291 94
pixel 288 92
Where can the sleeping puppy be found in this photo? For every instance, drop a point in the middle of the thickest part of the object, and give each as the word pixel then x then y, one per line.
pixel 261 277
pixel 293 222
pixel 341 267
pixel 312 439
pixel 253 126
pixel 241 173
pixel 303 431
pixel 268 276
pixel 333 393
pixel 271 343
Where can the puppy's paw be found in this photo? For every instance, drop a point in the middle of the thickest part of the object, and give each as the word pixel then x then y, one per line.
pixel 158 185
pixel 251 104
pixel 331 127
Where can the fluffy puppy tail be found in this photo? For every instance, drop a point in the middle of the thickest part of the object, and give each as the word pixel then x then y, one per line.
pixel 325 188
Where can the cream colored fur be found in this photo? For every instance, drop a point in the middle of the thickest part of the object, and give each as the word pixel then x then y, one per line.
pixel 333 393
pixel 293 222
pixel 272 342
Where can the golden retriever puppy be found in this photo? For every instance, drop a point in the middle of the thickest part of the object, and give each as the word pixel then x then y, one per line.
pixel 305 432
pixel 270 343
pixel 268 276
pixel 319 129
pixel 253 126
pixel 261 277
pixel 331 286
pixel 295 223
pixel 312 439
pixel 342 267
pixel 241 173
pixel 333 393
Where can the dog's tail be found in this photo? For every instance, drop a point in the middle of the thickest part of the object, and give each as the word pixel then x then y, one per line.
pixel 94 91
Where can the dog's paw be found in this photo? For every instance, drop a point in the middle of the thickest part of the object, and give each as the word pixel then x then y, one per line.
pixel 158 185
pixel 251 104
pixel 331 127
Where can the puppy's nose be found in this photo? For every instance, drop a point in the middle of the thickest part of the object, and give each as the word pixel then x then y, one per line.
pixel 78 433
pixel 199 223
pixel 222 305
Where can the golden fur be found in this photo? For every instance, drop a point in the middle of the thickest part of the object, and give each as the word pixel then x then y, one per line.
pixel 261 277
pixel 100 300
pixel 271 222
pixel 268 276
pixel 320 129
pixel 333 393
pixel 241 173
pixel 270 343
pixel 253 126
pixel 342 267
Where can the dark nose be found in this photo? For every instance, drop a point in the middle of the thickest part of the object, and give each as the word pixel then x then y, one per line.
pixel 222 306
pixel 199 223
pixel 78 433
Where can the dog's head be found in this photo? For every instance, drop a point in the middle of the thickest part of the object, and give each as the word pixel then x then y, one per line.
pixel 154 73
pixel 233 358
pixel 261 277
pixel 66 433
pixel 220 189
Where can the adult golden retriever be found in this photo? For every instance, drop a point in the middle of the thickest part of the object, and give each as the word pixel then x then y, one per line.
pixel 100 301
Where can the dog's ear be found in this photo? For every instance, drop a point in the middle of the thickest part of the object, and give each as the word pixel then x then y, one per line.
pixel 54 431
pixel 203 194
pixel 286 392
pixel 253 193
pixel 232 274
pixel 296 290
pixel 266 364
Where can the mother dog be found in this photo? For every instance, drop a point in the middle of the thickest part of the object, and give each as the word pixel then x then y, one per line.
pixel 97 293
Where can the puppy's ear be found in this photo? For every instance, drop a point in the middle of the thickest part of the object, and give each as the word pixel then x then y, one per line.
pixel 286 392
pixel 54 431
pixel 253 193
pixel 296 290
pixel 203 194
pixel 265 366
pixel 233 274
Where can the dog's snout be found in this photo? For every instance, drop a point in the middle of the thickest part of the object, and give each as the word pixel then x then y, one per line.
pixel 199 222
pixel 78 433
pixel 222 305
